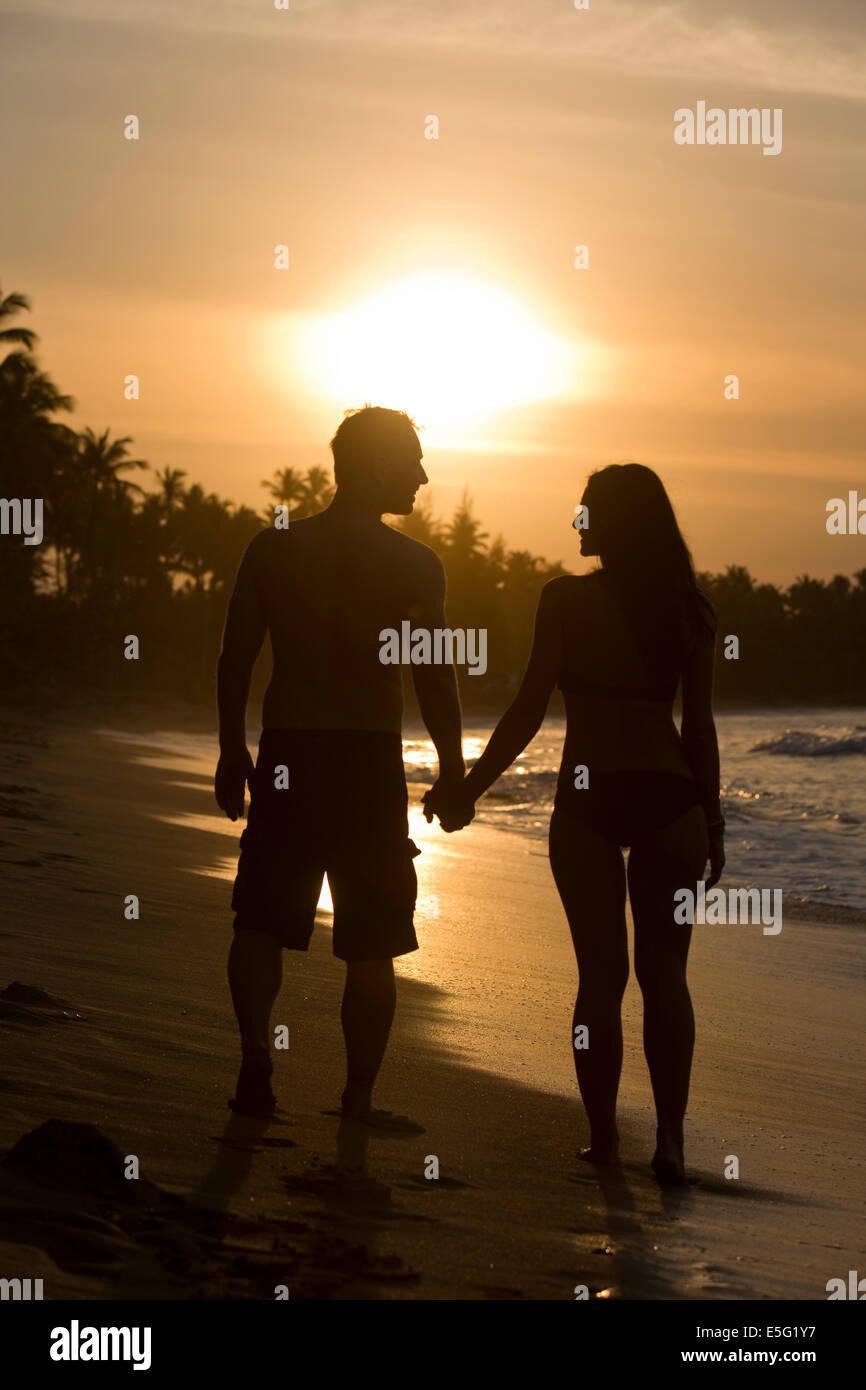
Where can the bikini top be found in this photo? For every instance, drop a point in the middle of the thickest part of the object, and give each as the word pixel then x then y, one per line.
pixel 574 681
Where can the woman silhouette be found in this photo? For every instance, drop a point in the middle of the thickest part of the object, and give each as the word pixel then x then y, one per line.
pixel 617 642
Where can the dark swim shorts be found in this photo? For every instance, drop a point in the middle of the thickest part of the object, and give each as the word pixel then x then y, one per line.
pixel 343 814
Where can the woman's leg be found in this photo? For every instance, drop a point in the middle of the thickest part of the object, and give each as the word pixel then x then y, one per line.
pixel 672 858
pixel 590 875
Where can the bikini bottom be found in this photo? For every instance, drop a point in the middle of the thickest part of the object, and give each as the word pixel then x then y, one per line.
pixel 625 807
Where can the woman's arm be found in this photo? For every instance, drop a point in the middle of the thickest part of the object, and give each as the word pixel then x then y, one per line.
pixel 524 716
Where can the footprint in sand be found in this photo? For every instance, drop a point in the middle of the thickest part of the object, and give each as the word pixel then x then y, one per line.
pixel 26 1004
pixel 17 810
pixel 385 1124
pixel 449 1184
pixel 253 1145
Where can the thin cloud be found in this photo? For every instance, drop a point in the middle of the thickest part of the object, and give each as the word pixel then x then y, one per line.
pixel 797 48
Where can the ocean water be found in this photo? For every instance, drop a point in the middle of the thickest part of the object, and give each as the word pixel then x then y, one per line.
pixel 793 793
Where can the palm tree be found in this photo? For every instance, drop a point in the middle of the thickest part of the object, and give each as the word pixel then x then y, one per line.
pixel 28 398
pixel 163 509
pixel 464 536
pixel 200 520
pixel 15 304
pixel 102 460
pixel 318 491
pixel 33 452
pixel 422 525
pixel 94 512
pixel 312 492
pixel 285 487
pixel 170 487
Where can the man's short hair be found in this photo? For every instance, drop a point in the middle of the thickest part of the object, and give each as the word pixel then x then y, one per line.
pixel 365 433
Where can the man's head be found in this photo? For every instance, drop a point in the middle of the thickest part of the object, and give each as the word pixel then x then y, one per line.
pixel 377 459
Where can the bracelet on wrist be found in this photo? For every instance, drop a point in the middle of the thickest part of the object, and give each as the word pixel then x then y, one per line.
pixel 717 824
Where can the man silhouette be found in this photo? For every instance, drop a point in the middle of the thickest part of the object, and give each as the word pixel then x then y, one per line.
pixel 328 791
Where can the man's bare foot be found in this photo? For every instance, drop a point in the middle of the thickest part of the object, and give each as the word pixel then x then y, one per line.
pixel 668 1162
pixel 356 1105
pixel 603 1149
pixel 603 1158
pixel 253 1095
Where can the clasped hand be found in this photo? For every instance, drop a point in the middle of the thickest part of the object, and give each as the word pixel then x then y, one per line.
pixel 451 803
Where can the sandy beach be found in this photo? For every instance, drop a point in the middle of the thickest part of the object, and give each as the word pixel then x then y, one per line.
pixel 127 1026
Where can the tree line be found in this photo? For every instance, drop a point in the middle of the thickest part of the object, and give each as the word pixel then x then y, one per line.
pixel 119 558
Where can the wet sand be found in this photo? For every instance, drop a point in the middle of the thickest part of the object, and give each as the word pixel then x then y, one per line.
pixel 133 1033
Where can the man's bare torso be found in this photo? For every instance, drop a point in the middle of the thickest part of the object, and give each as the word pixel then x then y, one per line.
pixel 324 589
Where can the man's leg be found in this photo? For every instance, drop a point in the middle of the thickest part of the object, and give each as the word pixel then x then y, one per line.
pixel 369 1000
pixel 255 974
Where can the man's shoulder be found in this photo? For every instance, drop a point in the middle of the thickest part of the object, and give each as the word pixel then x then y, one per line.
pixel 273 539
pixel 414 552
pixel 382 546
pixel 258 550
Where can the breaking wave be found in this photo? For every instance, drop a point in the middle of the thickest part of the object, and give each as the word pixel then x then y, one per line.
pixel 796 743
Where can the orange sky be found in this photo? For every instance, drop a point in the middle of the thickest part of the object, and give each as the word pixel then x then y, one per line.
pixel 306 127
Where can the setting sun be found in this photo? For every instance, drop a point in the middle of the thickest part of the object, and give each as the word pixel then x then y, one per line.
pixel 455 350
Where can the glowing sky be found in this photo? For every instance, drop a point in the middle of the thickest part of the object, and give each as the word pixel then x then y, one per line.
pixel 262 127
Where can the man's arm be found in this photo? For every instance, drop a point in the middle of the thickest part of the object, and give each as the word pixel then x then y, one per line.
pixel 243 635
pixel 436 686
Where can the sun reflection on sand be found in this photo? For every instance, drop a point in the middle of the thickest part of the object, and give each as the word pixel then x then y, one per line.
pixel 225 867
pixel 214 824
pixel 418 755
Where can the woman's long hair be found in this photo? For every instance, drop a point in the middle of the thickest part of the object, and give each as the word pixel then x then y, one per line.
pixel 647 563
